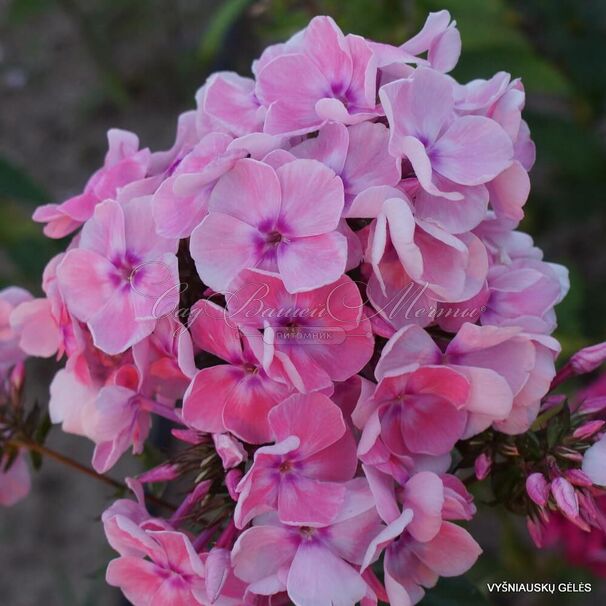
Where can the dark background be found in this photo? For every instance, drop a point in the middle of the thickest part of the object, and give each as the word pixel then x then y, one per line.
pixel 71 69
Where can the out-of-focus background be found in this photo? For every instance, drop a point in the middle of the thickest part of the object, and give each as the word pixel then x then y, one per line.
pixel 71 69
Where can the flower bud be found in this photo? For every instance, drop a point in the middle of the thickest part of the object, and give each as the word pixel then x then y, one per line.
pixel 535 530
pixel 232 479
pixel 588 358
pixel 230 450
pixel 162 473
pixel 592 405
pixel 578 478
pixel 537 488
pixel 482 466
pixel 588 429
pixel 565 497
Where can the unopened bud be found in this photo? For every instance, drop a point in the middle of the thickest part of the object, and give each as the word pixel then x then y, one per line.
pixel 588 429
pixel 578 478
pixel 162 473
pixel 482 466
pixel 537 488
pixel 565 497
pixel 588 358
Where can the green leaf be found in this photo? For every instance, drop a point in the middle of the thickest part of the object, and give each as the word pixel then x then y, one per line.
pixel 17 185
pixel 457 591
pixel 44 426
pixel 219 25
pixel 20 10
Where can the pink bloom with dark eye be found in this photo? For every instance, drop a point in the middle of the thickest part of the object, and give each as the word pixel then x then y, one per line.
pixel 309 339
pixel 442 147
pixel 281 220
pixel 320 75
pixel 302 475
pixel 156 567
pixel 422 412
pixel 124 163
pixel 237 396
pixel 358 154
pixel 317 566
pixel 119 280
pixel 514 368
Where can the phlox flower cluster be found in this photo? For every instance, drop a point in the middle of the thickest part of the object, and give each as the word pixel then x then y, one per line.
pixel 322 289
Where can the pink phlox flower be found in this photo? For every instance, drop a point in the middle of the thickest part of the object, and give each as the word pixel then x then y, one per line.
pixel 442 147
pixel 317 566
pixel 236 396
pixel 124 164
pixel 320 75
pixel 303 474
pixel 282 220
pixel 119 280
pixel 309 339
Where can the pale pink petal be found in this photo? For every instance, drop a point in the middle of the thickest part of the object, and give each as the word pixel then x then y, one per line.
pixel 307 502
pixel 424 494
pixel 205 398
pixel 454 216
pixel 104 233
pixel 259 554
pixel 38 331
pixel 472 151
pixel 230 99
pixel 222 246
pixel 115 326
pixel 250 192
pixel 85 281
pixel 248 405
pixel 177 215
pixel 311 262
pixel 291 84
pixel 212 331
pixel 330 146
pixel 450 553
pixel 317 577
pixel 509 191
pixel 410 346
pixel 324 44
pixel 313 418
pixel 138 579
pixel 312 198
pixel 368 162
